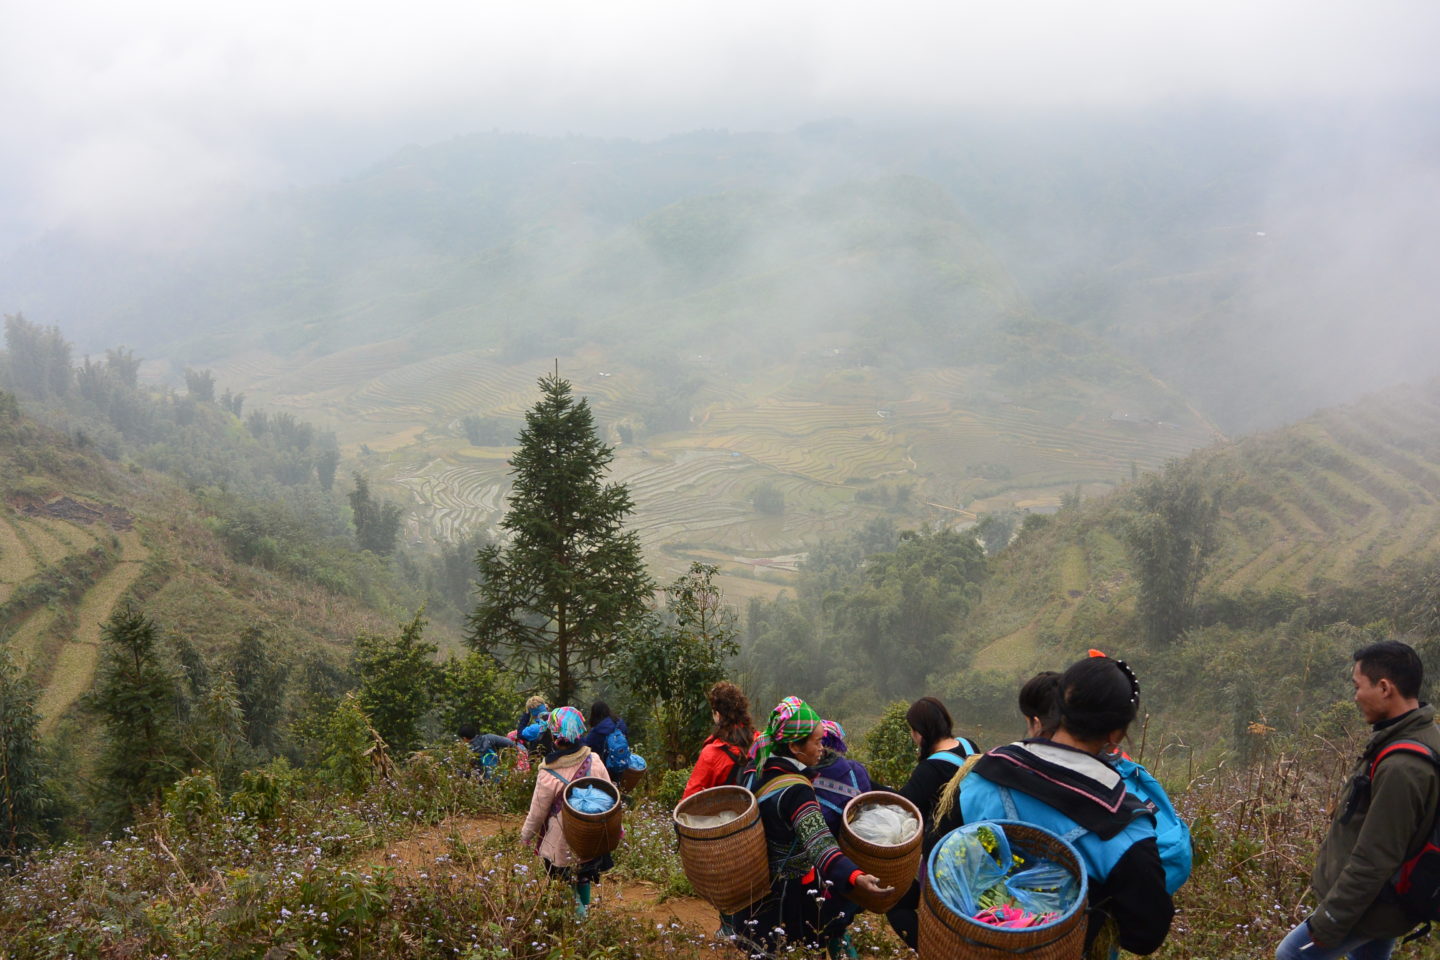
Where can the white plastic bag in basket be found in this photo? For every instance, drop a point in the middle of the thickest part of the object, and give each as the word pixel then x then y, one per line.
pixel 700 821
pixel 884 823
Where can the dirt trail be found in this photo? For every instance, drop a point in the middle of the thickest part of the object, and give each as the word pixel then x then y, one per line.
pixel 636 898
pixel 74 667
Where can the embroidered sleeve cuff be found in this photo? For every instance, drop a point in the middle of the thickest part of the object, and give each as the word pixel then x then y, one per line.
pixel 855 876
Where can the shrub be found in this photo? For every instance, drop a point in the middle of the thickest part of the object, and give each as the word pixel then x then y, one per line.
pixel 889 753
pixel 669 787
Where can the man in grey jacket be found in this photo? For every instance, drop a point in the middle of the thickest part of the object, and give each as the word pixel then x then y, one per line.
pixel 1379 823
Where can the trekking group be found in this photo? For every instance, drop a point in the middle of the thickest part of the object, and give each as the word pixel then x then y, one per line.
pixel 1376 875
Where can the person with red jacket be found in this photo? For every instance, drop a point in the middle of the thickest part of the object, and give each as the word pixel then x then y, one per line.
pixel 728 743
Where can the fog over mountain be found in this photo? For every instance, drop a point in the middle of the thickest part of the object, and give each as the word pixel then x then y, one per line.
pixel 1237 197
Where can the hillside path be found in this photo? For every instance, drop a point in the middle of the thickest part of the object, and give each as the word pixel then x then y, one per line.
pixel 75 663
pixel 423 850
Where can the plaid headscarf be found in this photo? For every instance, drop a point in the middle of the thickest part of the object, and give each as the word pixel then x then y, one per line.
pixel 834 736
pixel 568 724
pixel 791 721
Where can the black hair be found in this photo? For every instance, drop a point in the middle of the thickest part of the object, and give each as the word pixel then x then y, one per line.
pixel 467 731
pixel 929 718
pixel 1394 661
pixel 1098 695
pixel 1040 697
pixel 599 710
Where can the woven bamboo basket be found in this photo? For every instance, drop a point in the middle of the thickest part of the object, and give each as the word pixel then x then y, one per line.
pixel 893 865
pixel 590 835
pixel 727 865
pixel 629 779
pixel 943 933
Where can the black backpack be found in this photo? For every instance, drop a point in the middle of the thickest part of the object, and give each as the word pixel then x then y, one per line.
pixel 742 771
pixel 1415 887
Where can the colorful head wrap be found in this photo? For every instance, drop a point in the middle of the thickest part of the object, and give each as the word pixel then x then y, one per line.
pixel 834 736
pixel 568 724
pixel 792 721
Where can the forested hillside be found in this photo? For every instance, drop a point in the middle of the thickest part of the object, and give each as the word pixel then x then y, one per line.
pixel 258 576
pixel 1238 578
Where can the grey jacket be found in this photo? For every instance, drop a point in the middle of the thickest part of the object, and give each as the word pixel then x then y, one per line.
pixel 1387 827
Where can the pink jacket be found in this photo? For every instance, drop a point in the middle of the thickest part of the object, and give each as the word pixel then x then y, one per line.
pixel 547 792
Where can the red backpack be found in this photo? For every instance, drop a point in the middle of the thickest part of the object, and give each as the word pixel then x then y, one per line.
pixel 1415 887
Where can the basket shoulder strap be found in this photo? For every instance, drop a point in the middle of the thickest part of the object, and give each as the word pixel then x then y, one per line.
pixel 1008 801
pixel 779 784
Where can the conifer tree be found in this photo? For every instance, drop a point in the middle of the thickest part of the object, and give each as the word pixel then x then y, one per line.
pixel 570 580
pixel 138 701
pixel 1170 533
pixel 397 682
pixel 260 678
pixel 25 802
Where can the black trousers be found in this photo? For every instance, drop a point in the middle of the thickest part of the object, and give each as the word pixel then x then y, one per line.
pixel 904 917
pixel 793 913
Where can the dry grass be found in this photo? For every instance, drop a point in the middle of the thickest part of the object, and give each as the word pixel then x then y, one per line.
pixel 1256 831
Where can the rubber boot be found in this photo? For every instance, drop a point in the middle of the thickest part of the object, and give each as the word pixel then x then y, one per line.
pixel 582 900
pixel 840 948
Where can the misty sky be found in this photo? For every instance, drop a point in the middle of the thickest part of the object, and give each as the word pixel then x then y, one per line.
pixel 120 110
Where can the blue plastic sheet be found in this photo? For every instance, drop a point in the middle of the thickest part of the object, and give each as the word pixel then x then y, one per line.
pixel 1043 887
pixel 591 800
pixel 964 869
pixel 637 762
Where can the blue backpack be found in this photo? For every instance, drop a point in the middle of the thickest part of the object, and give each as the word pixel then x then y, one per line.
pixel 617 750
pixel 1172 835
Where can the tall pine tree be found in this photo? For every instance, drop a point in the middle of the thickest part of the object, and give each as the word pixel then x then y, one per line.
pixel 138 701
pixel 557 596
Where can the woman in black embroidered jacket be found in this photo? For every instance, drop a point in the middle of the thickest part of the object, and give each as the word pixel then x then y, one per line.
pixel 805 861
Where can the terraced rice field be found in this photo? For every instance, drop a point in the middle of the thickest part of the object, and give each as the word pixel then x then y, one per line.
pixel 453 499
pixel 17 563
pixel 444 387
pixel 28 641
pixel 60 654
pixel 820 432
pixel 71 672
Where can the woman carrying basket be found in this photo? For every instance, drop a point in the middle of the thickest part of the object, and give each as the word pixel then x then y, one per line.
pixel 569 761
pixel 807 868
pixel 1065 786
pixel 941 757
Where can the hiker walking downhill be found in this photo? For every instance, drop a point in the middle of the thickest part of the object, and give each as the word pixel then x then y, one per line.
pixel 609 738
pixel 532 732
pixel 806 865
pixel 568 761
pixel 1065 786
pixel 725 751
pixel 485 747
pixel 1383 818
pixel 941 755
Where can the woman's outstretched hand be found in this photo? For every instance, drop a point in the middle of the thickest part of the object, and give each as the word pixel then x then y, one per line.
pixel 871 885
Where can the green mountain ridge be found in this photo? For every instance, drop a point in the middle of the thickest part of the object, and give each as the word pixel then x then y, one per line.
pixel 1327 530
